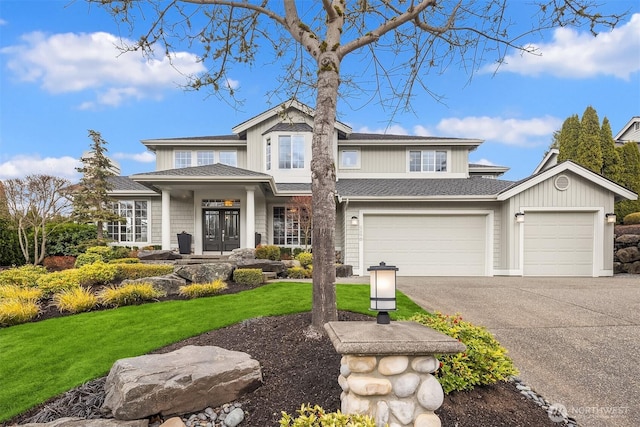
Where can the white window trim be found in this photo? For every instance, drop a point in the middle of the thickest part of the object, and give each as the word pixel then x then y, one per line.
pixel 358 158
pixel 435 150
pixel 149 224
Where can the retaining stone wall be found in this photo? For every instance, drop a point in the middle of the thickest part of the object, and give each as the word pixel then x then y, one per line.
pixel 627 249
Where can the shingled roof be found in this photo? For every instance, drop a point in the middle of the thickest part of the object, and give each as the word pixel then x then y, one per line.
pixel 216 169
pixel 421 187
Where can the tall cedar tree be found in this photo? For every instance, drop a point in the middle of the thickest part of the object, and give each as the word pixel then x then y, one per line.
pixel 629 178
pixel 91 197
pixel 312 39
pixel 567 139
pixel 611 167
pixel 589 152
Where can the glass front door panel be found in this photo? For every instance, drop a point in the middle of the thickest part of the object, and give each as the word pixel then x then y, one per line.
pixel 221 229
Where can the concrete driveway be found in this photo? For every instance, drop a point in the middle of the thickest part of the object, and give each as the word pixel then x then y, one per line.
pixel 576 341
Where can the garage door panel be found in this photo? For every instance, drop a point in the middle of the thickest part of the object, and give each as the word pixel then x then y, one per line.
pixel 427 245
pixel 558 244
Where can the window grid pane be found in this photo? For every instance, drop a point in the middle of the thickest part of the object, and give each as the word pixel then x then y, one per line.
pixel 284 152
pixel 134 227
pixel 229 158
pixel 298 152
pixel 205 158
pixel 182 159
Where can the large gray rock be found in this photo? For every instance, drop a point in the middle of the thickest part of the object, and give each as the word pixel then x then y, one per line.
pixel 628 239
pixel 629 254
pixel 241 254
pixel 205 273
pixel 633 268
pixel 344 270
pixel 277 267
pixel 169 283
pixel 81 422
pixel 157 255
pixel 189 379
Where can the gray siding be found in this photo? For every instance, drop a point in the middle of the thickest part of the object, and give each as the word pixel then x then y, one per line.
pixel 164 156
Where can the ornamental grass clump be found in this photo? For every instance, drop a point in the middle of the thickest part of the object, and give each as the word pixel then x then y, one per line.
pixel 317 417
pixel 20 293
pixel 197 290
pixel 27 275
pixel 14 312
pixel 129 294
pixel 484 362
pixel 76 300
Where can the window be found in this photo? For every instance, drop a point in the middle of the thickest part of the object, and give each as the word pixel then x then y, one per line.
pixel 291 152
pixel 287 230
pixel 134 227
pixel 229 158
pixel 268 153
pixel 182 159
pixel 205 158
pixel 427 161
pixel 350 159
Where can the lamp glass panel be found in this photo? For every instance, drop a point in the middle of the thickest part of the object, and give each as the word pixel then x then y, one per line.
pixel 383 286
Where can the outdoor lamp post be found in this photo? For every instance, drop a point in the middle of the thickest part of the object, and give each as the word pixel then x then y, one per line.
pixel 383 291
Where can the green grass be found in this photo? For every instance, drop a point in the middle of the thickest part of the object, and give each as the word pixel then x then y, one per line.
pixel 44 359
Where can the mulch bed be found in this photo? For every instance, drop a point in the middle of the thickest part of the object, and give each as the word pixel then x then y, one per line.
pixel 299 369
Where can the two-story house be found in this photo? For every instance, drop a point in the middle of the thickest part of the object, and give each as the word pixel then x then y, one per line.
pixel 410 201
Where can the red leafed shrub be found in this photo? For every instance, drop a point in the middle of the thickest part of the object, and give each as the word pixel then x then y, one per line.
pixel 59 262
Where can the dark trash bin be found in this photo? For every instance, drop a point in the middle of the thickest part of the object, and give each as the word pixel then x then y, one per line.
pixel 184 243
pixel 258 239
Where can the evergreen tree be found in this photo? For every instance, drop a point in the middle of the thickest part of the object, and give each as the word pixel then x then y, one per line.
pixel 611 167
pixel 567 139
pixel 91 199
pixel 629 178
pixel 589 152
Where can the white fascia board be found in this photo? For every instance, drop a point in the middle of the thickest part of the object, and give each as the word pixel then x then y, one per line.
pixel 153 144
pixel 133 193
pixel 575 168
pixel 546 160
pixel 626 127
pixel 456 142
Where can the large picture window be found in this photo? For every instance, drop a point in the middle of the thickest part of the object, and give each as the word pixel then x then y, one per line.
pixel 229 158
pixel 427 161
pixel 205 158
pixel 135 224
pixel 287 230
pixel 182 159
pixel 291 152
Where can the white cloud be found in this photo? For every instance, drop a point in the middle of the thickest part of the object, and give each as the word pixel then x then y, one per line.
pixel 21 166
pixel 484 162
pixel 421 131
pixel 144 157
pixel 515 132
pixel 390 130
pixel 70 62
pixel 3 22
pixel 580 55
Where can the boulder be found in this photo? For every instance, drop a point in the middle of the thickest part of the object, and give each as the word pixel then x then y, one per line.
pixel 628 239
pixel 189 379
pixel 633 268
pixel 169 283
pixel 242 254
pixel 205 273
pixel 157 255
pixel 81 422
pixel 629 254
pixel 343 270
pixel 291 263
pixel 277 267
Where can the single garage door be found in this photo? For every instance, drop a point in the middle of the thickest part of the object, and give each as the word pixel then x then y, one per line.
pixel 558 243
pixel 427 245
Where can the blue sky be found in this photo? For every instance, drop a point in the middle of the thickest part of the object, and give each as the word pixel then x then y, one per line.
pixel 60 75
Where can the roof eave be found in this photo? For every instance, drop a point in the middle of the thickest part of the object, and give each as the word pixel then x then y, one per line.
pixel 406 199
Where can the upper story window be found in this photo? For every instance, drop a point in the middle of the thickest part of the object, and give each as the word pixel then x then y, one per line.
pixel 229 158
pixel 291 152
pixel 427 161
pixel 182 159
pixel 350 159
pixel 205 158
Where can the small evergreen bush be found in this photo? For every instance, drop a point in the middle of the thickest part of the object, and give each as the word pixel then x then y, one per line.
pixel 271 252
pixel 98 273
pixel 305 258
pixel 632 218
pixel 297 273
pixel 197 290
pixel 124 261
pixel 27 275
pixel 59 281
pixel 20 293
pixel 120 252
pixel 317 417
pixel 70 239
pixel 247 276
pixel 13 312
pixel 10 253
pixel 105 252
pixel 75 300
pixel 129 294
pixel 484 362
pixel 86 259
pixel 140 271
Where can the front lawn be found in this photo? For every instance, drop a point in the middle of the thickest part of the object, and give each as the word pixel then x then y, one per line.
pixel 44 359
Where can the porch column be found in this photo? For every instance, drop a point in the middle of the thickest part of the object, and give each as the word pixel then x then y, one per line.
pixel 166 220
pixel 250 240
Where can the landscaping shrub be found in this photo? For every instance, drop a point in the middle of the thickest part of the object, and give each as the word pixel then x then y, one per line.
pixel 140 271
pixel 197 290
pixel 58 281
pixel 632 218
pixel 124 261
pixel 305 258
pixel 285 253
pixel 317 417
pixel 120 252
pixel 20 293
pixel 13 312
pixel 10 253
pixel 271 252
pixel 98 273
pixel 105 252
pixel 484 362
pixel 70 239
pixel 86 259
pixel 297 273
pixel 59 262
pixel 75 300
pixel 247 276
pixel 129 294
pixel 27 275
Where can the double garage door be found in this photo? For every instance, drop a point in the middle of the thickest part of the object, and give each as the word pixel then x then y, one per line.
pixel 427 245
pixel 558 244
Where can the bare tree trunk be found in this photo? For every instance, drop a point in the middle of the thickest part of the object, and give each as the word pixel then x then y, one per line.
pixel 323 185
